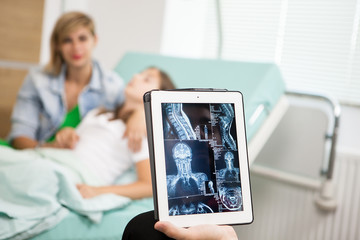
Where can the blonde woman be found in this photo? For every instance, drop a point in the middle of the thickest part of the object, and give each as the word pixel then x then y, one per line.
pixel 71 85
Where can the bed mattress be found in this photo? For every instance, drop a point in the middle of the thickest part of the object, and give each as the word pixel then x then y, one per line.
pixel 75 226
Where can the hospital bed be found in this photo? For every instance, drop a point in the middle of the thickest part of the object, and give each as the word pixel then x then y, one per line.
pixel 266 102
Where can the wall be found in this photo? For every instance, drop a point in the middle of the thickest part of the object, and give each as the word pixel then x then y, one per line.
pixel 125 25
pixel 349 132
pixel 20 40
pixel 284 210
pixel 121 26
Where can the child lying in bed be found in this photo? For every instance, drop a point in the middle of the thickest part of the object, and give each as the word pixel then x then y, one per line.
pixel 99 144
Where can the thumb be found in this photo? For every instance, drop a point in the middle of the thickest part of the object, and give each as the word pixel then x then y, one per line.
pixel 170 230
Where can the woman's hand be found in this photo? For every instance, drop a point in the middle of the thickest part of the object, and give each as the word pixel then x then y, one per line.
pixel 66 138
pixel 87 191
pixel 199 232
pixel 135 129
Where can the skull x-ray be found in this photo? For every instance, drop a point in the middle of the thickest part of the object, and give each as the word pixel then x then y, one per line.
pixel 201 155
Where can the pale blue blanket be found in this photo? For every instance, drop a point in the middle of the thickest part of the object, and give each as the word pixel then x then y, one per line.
pixel 37 187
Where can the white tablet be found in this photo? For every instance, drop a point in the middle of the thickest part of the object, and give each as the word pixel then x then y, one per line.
pixel 198 156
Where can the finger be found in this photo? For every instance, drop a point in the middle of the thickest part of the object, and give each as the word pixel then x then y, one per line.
pixel 170 230
pixel 74 140
pixel 82 190
pixel 59 140
pixel 131 142
pixel 63 140
pixel 135 142
pixel 126 133
pixel 83 193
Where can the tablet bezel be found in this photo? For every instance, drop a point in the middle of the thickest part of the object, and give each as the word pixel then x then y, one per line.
pixel 159 166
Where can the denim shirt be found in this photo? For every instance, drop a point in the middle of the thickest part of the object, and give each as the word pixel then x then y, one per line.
pixel 41 106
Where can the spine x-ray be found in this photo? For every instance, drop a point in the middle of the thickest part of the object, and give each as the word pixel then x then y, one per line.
pixel 201 155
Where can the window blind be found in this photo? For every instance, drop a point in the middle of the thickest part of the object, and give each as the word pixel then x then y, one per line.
pixel 316 43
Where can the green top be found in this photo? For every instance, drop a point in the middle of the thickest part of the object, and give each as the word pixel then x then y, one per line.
pixel 4 143
pixel 72 119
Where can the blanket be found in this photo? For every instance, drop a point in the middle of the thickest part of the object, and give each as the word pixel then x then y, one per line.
pixel 37 189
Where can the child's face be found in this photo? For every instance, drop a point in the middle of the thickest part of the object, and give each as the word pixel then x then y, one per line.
pixel 143 82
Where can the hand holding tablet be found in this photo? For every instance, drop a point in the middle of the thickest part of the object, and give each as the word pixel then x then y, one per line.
pixel 198 232
pixel 198 156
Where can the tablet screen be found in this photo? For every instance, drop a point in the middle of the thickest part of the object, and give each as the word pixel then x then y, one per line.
pixel 201 158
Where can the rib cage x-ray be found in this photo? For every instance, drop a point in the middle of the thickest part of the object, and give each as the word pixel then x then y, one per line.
pixel 200 153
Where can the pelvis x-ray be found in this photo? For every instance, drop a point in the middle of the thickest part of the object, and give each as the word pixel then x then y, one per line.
pixel 201 156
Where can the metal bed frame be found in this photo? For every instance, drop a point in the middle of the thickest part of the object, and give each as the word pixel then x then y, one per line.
pixel 325 198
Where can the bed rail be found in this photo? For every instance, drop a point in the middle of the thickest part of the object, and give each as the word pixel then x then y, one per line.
pixel 326 197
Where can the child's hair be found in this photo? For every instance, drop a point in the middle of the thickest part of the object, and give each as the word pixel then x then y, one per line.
pixel 67 23
pixel 165 84
pixel 165 80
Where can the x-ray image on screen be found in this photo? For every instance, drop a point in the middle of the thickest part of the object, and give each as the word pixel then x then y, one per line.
pixel 201 158
pixel 230 195
pixel 228 172
pixel 185 182
pixel 177 123
pixel 226 118
pixel 192 205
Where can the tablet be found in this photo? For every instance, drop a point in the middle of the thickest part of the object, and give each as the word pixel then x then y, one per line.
pixel 198 156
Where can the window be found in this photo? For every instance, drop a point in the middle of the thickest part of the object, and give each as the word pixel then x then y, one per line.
pixel 316 43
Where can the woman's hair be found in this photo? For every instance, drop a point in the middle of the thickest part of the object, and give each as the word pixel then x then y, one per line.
pixel 67 23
